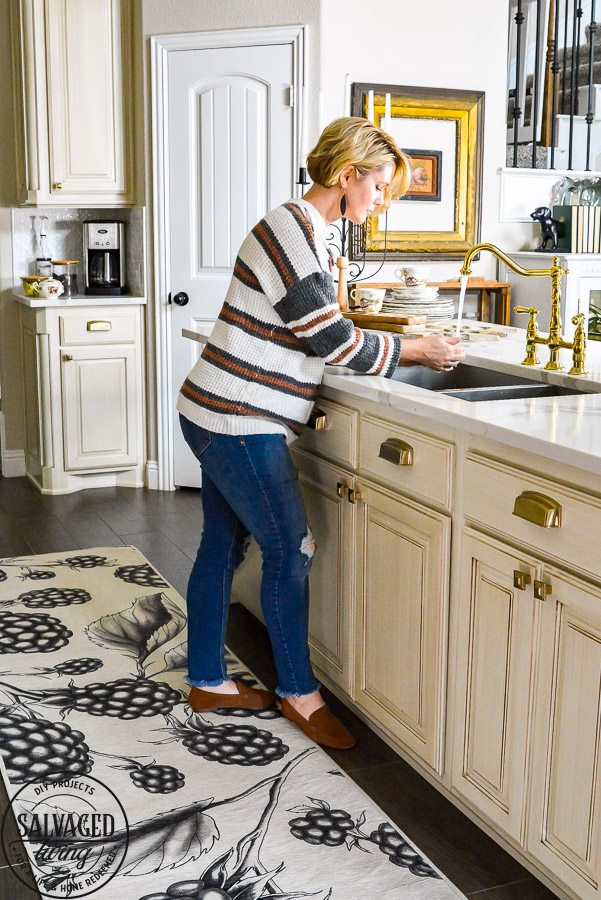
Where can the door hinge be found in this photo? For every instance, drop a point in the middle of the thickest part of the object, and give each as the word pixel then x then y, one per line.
pixel 290 95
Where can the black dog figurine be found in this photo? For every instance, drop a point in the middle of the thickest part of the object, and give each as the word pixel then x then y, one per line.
pixel 551 229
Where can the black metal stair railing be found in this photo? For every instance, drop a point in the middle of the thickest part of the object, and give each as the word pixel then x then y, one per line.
pixel 547 86
pixel 591 59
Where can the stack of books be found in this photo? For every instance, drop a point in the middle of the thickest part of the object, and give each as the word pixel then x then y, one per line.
pixel 582 228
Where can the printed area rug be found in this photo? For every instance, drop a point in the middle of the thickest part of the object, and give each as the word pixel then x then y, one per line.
pixel 121 791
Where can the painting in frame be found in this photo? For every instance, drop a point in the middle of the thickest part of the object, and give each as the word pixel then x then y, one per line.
pixel 440 215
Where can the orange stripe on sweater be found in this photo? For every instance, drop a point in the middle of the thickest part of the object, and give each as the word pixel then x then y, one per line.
pixel 385 354
pixel 264 332
pixel 246 277
pixel 238 410
pixel 266 379
pixel 276 257
pixel 349 349
pixel 317 321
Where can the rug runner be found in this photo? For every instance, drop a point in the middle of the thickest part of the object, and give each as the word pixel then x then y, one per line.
pixel 121 791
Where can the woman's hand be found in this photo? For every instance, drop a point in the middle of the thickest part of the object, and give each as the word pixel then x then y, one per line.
pixel 435 351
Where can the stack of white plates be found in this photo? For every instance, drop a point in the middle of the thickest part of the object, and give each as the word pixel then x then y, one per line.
pixel 418 301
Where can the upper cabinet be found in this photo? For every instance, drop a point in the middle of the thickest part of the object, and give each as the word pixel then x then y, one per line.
pixel 75 84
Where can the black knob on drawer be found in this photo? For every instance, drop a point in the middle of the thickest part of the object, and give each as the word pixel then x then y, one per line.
pixel 179 299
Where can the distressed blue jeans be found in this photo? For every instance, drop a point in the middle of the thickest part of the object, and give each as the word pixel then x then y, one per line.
pixel 249 487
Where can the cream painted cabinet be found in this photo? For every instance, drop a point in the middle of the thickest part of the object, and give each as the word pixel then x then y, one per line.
pixel 401 620
pixel 99 396
pixel 496 627
pixel 74 65
pixel 325 489
pixel 84 396
pixel 565 816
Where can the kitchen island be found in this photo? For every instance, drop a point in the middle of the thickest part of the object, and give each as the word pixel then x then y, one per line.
pixel 456 593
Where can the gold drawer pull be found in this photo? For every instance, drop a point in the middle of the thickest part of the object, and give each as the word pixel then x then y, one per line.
pixel 342 489
pixel 67 357
pixel 521 579
pixel 396 451
pixel 538 509
pixel 542 590
pixel 318 420
pixel 353 496
pixel 99 325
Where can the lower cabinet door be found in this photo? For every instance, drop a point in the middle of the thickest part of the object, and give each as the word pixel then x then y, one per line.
pixel 402 609
pixel 565 820
pixel 496 623
pixel 330 515
pixel 99 397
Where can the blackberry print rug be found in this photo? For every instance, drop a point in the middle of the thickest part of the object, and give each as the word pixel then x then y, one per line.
pixel 121 791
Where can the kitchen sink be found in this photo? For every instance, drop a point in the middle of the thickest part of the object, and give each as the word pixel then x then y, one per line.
pixel 475 383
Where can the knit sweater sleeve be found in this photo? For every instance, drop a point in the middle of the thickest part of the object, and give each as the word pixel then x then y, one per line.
pixel 302 294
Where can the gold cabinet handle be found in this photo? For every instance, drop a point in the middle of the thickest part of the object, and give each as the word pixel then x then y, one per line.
pixel 67 357
pixel 99 325
pixel 396 451
pixel 538 508
pixel 542 590
pixel 57 186
pixel 318 420
pixel 342 489
pixel 521 579
pixel 353 496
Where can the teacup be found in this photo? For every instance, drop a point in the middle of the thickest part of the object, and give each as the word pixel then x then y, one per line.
pixel 31 284
pixel 368 299
pixel 413 276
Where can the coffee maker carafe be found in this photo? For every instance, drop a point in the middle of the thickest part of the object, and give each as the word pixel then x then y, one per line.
pixel 104 250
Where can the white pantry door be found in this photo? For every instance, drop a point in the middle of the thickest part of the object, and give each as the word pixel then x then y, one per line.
pixel 230 162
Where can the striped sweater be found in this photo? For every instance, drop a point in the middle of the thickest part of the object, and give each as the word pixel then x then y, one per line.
pixel 278 327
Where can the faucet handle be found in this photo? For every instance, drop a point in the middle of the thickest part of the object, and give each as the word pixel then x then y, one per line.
pixel 532 337
pixel 531 310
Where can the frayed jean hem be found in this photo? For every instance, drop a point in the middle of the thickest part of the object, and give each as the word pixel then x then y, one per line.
pixel 201 684
pixel 282 693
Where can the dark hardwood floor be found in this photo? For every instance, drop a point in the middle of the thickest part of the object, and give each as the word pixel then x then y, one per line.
pixel 165 526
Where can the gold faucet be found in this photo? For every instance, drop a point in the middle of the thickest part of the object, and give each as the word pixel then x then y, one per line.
pixel 555 340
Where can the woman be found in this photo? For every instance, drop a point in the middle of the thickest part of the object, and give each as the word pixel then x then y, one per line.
pixel 248 397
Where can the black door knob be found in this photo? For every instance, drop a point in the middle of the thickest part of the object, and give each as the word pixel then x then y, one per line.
pixel 179 299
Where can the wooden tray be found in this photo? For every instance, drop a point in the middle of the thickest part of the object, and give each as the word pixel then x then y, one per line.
pixel 386 321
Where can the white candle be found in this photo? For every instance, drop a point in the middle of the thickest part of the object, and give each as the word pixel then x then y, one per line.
pixel 387 114
pixel 301 137
pixel 346 111
pixel 321 117
pixel 370 106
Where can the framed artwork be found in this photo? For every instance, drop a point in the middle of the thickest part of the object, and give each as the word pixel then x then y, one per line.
pixel 440 214
pixel 426 168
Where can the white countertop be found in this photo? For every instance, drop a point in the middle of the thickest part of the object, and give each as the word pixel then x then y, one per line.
pixel 79 300
pixel 566 429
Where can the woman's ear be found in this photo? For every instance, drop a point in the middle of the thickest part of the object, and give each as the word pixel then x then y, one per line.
pixel 345 174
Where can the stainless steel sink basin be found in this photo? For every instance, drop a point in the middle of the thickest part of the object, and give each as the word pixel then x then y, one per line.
pixel 475 383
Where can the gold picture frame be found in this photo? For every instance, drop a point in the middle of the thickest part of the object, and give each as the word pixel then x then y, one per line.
pixel 450 123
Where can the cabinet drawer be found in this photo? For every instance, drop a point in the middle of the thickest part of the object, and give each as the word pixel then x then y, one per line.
pixel 490 492
pixel 95 328
pixel 338 441
pixel 428 471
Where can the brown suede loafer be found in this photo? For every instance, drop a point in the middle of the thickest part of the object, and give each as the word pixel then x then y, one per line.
pixel 246 698
pixel 322 726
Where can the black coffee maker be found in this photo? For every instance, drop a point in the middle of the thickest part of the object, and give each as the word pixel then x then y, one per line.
pixel 104 252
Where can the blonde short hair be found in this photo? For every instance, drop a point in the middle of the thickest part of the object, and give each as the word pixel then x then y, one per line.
pixel 353 141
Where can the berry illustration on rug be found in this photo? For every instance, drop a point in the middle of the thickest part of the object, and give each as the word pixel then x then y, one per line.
pixel 233 804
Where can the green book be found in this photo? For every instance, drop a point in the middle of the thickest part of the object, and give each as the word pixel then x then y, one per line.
pixel 569 216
